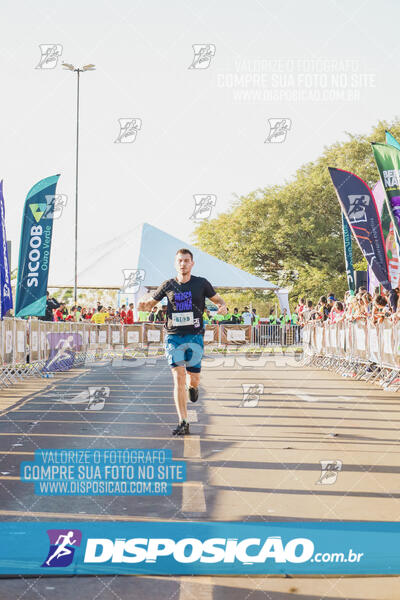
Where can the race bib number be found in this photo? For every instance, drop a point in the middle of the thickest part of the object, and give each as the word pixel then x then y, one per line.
pixel 183 318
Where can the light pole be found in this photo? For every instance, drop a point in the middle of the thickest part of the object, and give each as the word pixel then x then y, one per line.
pixel 78 71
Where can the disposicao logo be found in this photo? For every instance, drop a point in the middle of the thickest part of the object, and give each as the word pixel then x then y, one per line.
pixel 190 550
pixel 62 547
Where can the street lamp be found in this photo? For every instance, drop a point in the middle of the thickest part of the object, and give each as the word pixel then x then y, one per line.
pixel 78 71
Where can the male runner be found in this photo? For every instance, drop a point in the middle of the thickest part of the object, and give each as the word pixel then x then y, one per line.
pixel 184 344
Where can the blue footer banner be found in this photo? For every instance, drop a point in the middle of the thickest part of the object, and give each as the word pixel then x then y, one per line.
pixel 177 548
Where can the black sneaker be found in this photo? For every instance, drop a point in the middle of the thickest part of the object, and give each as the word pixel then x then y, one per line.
pixel 193 394
pixel 181 429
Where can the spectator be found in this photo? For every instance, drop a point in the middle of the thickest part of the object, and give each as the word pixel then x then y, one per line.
pixel 285 327
pixel 394 299
pixel 352 307
pixel 323 308
pixel 100 316
pixel 69 316
pixel 284 318
pixel 301 306
pixel 143 315
pixel 236 318
pixel 366 299
pixel 123 313
pixel 206 317
pixel 59 315
pixel 153 314
pixel 129 315
pixel 161 316
pixel 307 312
pixel 51 305
pixel 273 318
pixel 246 316
pixel 337 312
pixel 331 301
pixel 380 309
pixel 227 318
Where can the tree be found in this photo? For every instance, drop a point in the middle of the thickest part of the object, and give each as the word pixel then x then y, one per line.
pixel 292 234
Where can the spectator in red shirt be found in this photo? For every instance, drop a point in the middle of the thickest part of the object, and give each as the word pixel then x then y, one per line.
pixel 123 313
pixel 59 313
pixel 89 314
pixel 129 315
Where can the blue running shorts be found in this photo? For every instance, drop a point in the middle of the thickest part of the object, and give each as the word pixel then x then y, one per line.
pixel 185 350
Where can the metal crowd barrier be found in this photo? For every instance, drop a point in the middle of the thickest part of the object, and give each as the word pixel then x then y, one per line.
pixel 359 349
pixel 276 335
pixel 27 346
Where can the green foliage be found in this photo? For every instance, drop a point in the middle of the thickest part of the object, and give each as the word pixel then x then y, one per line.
pixel 68 293
pixel 292 234
pixel 87 297
pixel 361 265
pixel 258 300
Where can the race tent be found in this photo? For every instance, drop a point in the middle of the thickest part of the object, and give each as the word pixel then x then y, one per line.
pixel 152 250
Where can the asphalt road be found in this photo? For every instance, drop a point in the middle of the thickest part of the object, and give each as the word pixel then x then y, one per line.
pixel 254 458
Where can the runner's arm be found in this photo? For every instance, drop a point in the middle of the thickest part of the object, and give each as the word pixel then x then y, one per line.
pixel 222 310
pixel 146 302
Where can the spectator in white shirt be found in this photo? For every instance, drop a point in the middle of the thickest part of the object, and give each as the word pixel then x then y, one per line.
pixel 246 316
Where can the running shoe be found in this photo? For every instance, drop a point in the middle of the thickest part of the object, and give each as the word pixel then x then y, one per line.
pixel 181 429
pixel 193 394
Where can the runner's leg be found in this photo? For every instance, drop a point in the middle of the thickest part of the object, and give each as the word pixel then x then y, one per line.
pixel 193 379
pixel 193 366
pixel 180 393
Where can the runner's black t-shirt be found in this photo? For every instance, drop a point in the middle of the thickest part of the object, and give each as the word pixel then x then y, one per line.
pixel 186 302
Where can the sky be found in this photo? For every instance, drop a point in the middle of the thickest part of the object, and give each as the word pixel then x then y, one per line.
pixel 320 69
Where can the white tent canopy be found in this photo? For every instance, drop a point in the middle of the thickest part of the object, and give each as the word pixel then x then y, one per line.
pixel 152 250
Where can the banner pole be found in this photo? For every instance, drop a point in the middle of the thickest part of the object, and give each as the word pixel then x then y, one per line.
pixel 76 190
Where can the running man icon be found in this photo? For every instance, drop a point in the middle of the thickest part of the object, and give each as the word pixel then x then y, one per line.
pixel 62 542
pixel 62 550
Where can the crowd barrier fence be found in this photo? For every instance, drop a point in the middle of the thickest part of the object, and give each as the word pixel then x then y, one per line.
pixel 276 335
pixel 359 348
pixel 27 346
